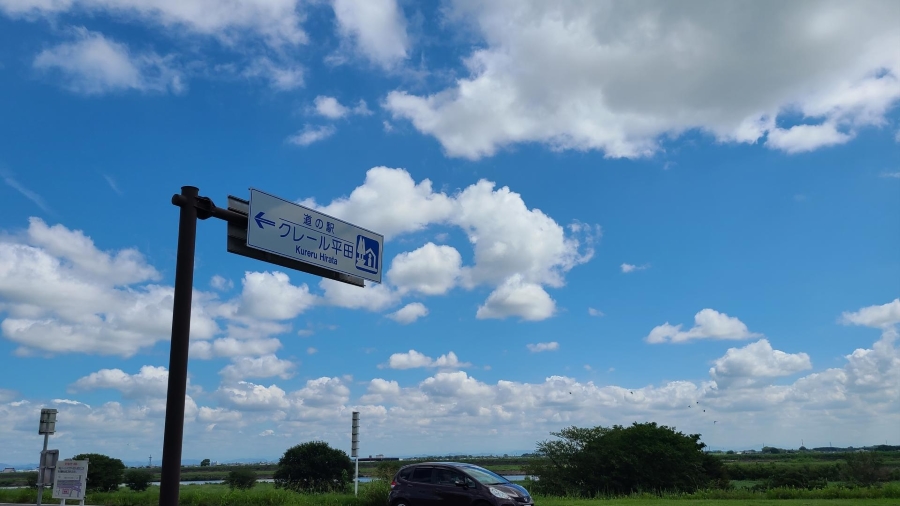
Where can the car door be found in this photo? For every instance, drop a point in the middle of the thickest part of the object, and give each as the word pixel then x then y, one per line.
pixel 449 487
pixel 420 489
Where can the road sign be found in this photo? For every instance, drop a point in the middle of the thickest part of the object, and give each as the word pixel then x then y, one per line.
pixel 71 479
pixel 237 244
pixel 303 234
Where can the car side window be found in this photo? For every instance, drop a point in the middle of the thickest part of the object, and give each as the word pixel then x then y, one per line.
pixel 444 476
pixel 404 473
pixel 421 475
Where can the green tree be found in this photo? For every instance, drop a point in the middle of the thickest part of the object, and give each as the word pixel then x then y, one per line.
pixel 864 468
pixel 104 473
pixel 313 467
pixel 137 479
pixel 621 460
pixel 243 479
pixel 204 462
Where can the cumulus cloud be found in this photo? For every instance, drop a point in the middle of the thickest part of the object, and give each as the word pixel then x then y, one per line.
pixel 275 21
pixel 150 381
pixel 430 270
pixel 516 297
pixel 63 295
pixel 708 324
pixel 266 366
pixel 409 313
pixel 311 134
pixel 413 360
pixel 757 361
pixel 272 296
pixel 371 297
pixel 93 65
pixel 595 312
pixel 375 28
pixel 883 316
pixel 125 267
pixel 329 107
pixel 251 397
pixel 539 347
pixel 618 77
pixel 232 347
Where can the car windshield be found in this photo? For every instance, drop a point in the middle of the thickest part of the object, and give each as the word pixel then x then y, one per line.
pixel 485 477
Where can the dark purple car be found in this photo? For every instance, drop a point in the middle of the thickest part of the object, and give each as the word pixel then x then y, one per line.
pixel 454 484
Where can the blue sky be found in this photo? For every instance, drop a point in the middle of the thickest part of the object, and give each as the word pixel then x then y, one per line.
pixel 594 213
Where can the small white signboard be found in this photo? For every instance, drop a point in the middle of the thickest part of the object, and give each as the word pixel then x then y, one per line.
pixel 298 232
pixel 70 481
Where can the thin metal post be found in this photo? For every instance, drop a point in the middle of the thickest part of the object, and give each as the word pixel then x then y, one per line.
pixel 42 470
pixel 356 480
pixel 178 355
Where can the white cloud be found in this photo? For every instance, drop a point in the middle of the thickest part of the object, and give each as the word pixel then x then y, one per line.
pixel 329 107
pixel 219 283
pixel 7 395
pixel 757 361
pixel 376 28
pixel 311 351
pixel 708 324
pixel 61 295
pixel 539 347
pixel 516 297
pixel 266 366
pixel 371 297
pixel 803 138
pixel 391 203
pixel 411 360
pixel 595 312
pixel 409 313
pixel 628 268
pixel 414 360
pixel 894 175
pixel 92 64
pixel 430 270
pixel 275 21
pixel 248 396
pixel 231 347
pixel 618 77
pixel 284 76
pixel 150 382
pixel 272 296
pixel 126 267
pixel 882 316
pixel 517 250
pixel 311 134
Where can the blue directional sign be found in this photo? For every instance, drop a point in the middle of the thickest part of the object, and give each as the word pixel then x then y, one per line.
pixel 300 233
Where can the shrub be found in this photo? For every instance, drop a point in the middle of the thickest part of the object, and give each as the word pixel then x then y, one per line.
pixel 104 473
pixel 864 468
pixel 314 467
pixel 242 479
pixel 623 460
pixel 137 479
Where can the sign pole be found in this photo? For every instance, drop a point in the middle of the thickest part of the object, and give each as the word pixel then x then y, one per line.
pixel 40 496
pixel 170 478
pixel 193 208
pixel 354 449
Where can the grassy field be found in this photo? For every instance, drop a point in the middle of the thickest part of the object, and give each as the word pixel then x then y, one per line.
pixel 374 495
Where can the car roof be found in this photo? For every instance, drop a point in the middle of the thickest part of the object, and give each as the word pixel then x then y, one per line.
pixel 450 464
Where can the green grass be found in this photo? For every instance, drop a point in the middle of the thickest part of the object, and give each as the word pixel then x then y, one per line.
pixel 265 494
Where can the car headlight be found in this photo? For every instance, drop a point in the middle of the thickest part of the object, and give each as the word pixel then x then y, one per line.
pixel 499 493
